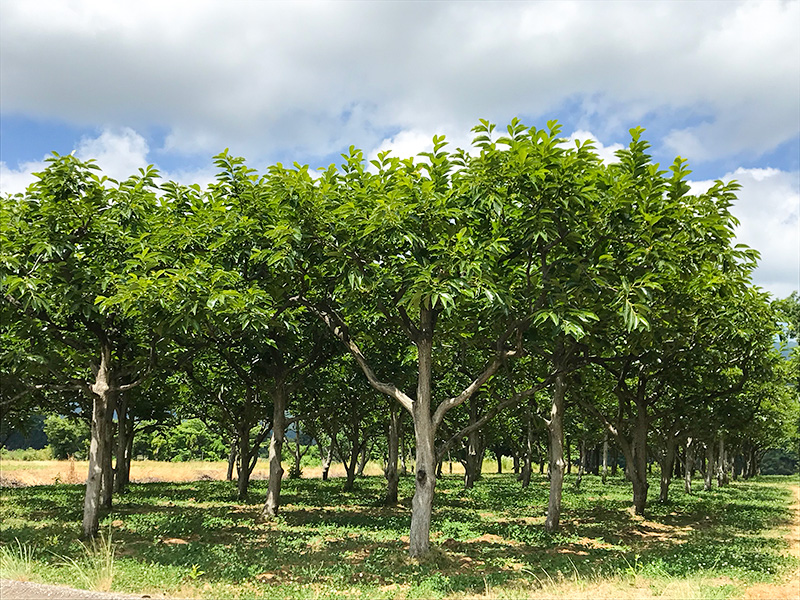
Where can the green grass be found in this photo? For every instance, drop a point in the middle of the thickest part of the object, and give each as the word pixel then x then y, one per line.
pixel 195 539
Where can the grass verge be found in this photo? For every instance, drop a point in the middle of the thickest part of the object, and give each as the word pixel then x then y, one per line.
pixel 193 539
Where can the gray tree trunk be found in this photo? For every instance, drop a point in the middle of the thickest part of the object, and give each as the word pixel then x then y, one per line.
pixel 688 466
pixel 393 443
pixel 638 461
pixel 555 432
pixel 326 457
pixel 232 454
pixel 605 459
pixel 708 475
pixel 527 466
pixel 581 464
pixel 667 465
pixel 722 472
pixel 243 482
pixel 272 504
pixel 124 433
pixel 424 433
pixel 473 461
pixel 99 447
pixel 363 458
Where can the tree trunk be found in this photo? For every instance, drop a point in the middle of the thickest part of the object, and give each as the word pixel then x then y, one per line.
pixel 297 470
pixel 350 474
pixel 527 466
pixel 667 465
pixel 474 458
pixel 581 463
pixel 232 454
pixel 516 463
pixel 403 454
pixel 243 482
pixel 638 459
pixel 708 475
pixel 363 458
pixel 326 458
pixel 124 449
pixel 499 464
pixel 124 430
pixel 99 448
pixel 272 504
pixel 555 432
pixel 688 465
pixel 722 473
pixel 424 433
pixel 605 459
pixel 107 480
pixel 569 456
pixel 393 443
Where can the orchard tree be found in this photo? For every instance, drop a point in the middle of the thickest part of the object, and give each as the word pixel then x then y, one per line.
pixel 64 243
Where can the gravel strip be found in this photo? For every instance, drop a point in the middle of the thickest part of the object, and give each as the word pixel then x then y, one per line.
pixel 27 590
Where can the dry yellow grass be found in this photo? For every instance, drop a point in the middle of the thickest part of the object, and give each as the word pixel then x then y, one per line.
pixel 45 472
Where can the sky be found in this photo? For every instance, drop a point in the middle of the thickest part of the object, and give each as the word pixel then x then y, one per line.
pixel 174 83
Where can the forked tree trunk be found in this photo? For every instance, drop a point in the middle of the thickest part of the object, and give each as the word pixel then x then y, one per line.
pixel 555 433
pixel 99 447
pixel 363 458
pixel 273 501
pixel 393 443
pixel 350 475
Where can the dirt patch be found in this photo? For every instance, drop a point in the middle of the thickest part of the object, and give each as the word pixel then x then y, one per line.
pixel 10 482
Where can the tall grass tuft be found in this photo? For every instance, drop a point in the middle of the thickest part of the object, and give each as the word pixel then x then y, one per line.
pixel 94 569
pixel 16 561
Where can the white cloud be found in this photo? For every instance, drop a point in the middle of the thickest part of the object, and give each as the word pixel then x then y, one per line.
pixel 14 181
pixel 606 153
pixel 119 154
pixel 768 209
pixel 311 78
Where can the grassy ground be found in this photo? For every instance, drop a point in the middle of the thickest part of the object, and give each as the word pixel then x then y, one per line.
pixel 192 539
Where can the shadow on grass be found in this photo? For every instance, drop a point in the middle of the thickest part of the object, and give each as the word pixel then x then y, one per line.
pixel 489 535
